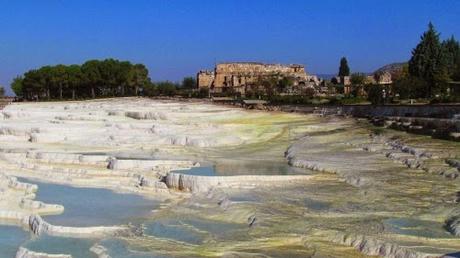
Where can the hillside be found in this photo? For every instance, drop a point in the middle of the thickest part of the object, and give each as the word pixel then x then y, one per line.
pixel 393 68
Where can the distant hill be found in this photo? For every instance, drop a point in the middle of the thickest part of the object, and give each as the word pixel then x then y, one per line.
pixel 394 68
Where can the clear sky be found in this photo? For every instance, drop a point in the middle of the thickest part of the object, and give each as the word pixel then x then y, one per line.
pixel 176 38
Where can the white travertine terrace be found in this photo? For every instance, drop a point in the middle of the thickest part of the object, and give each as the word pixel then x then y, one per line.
pixel 193 183
pixel 25 253
pixel 76 143
pixel 351 181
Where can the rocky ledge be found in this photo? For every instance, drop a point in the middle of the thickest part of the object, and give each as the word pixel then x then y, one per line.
pixel 193 183
pixel 25 253
pixel 374 247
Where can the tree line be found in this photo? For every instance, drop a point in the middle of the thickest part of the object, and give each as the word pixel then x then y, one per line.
pixel 433 64
pixel 94 78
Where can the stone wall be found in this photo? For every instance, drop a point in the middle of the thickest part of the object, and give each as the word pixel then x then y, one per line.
pixel 259 68
pixel 433 111
pixel 205 79
pixel 438 121
pixel 237 77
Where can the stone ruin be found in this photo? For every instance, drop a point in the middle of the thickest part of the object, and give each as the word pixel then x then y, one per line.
pixel 240 77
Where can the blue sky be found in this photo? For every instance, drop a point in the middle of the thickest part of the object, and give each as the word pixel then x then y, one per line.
pixel 176 38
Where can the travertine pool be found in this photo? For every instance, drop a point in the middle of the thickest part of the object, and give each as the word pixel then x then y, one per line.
pixel 135 177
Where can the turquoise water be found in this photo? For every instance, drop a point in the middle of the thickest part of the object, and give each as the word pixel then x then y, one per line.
pixel 11 237
pixel 198 171
pixel 92 206
pixel 77 247
pixel 83 207
pixel 231 168
pixel 175 230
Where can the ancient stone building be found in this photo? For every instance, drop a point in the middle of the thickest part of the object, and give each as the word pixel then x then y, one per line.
pixel 383 78
pixel 205 79
pixel 343 80
pixel 243 76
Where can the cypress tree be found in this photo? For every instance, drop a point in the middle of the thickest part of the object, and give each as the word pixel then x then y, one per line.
pixel 344 70
pixel 428 61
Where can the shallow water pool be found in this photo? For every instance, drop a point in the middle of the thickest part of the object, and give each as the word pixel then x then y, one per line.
pixel 92 206
pixel 77 247
pixel 198 171
pixel 11 237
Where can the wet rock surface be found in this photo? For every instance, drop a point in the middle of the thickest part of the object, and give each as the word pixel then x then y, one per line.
pixel 281 185
pixel 391 168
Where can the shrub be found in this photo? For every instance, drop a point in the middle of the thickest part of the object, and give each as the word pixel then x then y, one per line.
pixel 375 94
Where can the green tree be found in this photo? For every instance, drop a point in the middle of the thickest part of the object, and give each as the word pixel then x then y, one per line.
pixel 33 86
pixel 375 94
pixel 109 69
pixel 456 75
pixel 75 77
pixel 166 88
pixel 150 90
pixel 410 87
pixel 92 76
pixel 358 78
pixel 59 79
pixel 138 78
pixel 44 81
pixel 402 73
pixel 202 93
pixel 451 49
pixel 109 77
pixel 2 91
pixel 428 62
pixel 16 86
pixel 268 85
pixel 189 83
pixel 344 69
pixel 284 83
pixel 122 77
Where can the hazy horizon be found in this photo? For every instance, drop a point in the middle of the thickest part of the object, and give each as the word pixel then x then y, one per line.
pixel 175 39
